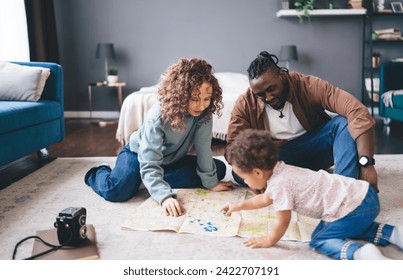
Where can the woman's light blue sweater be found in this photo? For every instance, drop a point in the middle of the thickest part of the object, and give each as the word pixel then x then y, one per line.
pixel 157 145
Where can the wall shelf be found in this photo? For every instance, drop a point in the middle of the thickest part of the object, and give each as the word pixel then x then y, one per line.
pixel 322 12
pixel 387 40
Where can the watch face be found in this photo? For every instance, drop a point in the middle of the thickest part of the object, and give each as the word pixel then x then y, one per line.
pixel 363 161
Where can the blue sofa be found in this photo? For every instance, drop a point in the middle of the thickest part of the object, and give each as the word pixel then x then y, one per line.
pixel 27 127
pixel 391 78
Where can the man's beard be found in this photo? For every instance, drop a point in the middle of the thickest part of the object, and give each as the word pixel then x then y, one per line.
pixel 278 103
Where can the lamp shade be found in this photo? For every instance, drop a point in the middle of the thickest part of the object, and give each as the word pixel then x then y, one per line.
pixel 105 50
pixel 288 52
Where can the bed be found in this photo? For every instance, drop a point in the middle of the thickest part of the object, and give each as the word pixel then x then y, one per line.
pixel 136 105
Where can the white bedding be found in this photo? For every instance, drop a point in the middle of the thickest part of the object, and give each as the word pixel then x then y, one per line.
pixel 136 105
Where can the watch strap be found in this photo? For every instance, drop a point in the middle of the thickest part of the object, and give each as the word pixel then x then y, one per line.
pixel 370 161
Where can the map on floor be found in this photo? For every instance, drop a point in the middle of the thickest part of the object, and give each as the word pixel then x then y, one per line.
pixel 203 216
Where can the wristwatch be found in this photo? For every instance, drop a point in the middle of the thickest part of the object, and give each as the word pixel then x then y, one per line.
pixel 364 161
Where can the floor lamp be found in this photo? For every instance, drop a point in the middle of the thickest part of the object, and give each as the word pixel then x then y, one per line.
pixel 105 51
pixel 287 53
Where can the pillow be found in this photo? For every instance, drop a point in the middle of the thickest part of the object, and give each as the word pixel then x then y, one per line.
pixel 20 82
pixel 42 81
pixel 232 80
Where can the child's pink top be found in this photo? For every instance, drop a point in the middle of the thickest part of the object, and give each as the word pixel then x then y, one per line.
pixel 314 194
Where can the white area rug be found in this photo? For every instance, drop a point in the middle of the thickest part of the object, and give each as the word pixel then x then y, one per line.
pixel 33 203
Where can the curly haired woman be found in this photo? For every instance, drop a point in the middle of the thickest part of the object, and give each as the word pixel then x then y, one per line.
pixel 157 153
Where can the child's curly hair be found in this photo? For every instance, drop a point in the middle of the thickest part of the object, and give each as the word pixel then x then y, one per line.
pixel 253 149
pixel 176 88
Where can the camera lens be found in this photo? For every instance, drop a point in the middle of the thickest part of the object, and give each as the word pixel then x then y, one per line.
pixel 83 232
pixel 81 220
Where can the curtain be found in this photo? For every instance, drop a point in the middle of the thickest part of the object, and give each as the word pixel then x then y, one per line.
pixel 42 30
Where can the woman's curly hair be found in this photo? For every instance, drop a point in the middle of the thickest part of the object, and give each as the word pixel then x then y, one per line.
pixel 175 90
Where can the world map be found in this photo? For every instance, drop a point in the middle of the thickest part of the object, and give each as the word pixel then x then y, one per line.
pixel 204 216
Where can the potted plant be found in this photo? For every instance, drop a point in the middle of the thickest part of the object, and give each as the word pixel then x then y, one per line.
pixel 112 75
pixel 304 6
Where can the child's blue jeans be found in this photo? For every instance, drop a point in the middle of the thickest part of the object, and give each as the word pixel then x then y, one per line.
pixel 122 182
pixel 334 239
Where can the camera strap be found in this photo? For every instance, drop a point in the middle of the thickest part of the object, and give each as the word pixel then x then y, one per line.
pixel 52 247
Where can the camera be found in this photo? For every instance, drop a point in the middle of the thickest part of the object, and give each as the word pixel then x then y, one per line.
pixel 71 227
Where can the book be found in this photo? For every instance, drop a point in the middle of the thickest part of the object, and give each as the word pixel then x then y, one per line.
pixel 387 31
pixel 389 37
pixel 385 11
pixel 87 250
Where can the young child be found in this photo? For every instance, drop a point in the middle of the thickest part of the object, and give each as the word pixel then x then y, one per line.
pixel 347 207
pixel 157 153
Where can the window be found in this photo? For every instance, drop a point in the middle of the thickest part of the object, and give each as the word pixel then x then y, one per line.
pixel 14 44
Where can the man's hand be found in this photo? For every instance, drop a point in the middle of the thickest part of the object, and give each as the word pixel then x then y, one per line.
pixel 223 186
pixel 369 174
pixel 258 242
pixel 172 207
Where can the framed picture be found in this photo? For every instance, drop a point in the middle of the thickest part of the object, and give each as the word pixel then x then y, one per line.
pixel 397 7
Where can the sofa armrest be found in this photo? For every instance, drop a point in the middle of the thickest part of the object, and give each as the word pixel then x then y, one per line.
pixel 54 85
pixel 390 76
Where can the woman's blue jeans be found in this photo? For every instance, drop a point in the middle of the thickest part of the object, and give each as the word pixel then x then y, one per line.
pixel 122 182
pixel 334 239
pixel 330 144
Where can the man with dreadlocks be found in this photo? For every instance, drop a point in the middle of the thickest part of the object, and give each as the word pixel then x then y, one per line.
pixel 296 109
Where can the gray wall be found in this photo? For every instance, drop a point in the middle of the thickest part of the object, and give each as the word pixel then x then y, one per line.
pixel 149 35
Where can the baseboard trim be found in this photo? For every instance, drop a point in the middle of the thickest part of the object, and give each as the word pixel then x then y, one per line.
pixel 96 114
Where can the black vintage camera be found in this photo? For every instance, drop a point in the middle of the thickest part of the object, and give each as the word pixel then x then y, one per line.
pixel 71 227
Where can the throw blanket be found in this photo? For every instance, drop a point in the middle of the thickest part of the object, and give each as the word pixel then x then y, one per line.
pixel 133 112
pixel 136 105
pixel 387 97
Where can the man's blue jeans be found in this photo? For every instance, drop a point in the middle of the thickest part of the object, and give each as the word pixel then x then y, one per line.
pixel 330 144
pixel 122 182
pixel 334 239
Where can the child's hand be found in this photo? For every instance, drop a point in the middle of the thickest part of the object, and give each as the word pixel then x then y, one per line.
pixel 259 242
pixel 172 207
pixel 223 186
pixel 229 208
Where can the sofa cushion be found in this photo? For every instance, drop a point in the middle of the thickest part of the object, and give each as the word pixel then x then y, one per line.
pixel 18 82
pixel 16 115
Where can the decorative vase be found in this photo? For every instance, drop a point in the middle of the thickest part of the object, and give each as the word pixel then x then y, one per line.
pixel 381 5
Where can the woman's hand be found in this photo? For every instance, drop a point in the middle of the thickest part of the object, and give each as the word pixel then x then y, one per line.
pixel 223 186
pixel 172 207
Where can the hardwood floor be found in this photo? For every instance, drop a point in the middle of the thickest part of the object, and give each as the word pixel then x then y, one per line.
pixel 84 139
